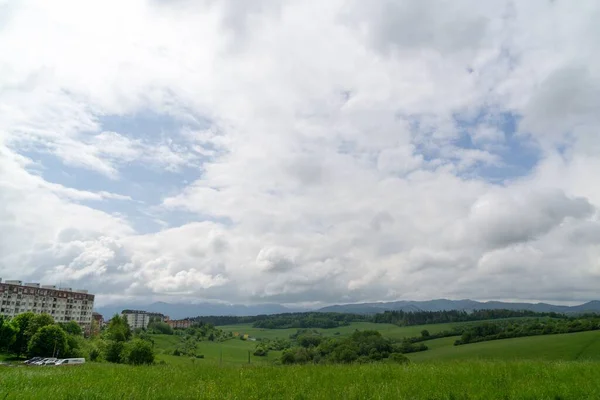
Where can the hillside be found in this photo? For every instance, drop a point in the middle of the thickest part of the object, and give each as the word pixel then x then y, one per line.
pixel 466 305
pixel 564 347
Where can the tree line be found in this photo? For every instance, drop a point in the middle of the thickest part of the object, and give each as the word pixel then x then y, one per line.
pixel 288 320
pixel 519 328
pixel 408 318
pixel 401 318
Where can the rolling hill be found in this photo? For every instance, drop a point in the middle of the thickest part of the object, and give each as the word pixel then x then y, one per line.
pixel 184 310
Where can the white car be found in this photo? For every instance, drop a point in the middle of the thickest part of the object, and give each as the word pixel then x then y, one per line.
pixel 45 361
pixel 70 361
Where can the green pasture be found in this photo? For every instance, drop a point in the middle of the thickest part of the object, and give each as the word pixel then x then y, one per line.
pixel 444 380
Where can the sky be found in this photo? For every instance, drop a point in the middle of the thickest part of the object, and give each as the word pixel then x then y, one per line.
pixel 301 152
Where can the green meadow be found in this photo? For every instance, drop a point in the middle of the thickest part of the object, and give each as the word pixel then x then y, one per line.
pixel 563 347
pixel 445 380
pixel 388 330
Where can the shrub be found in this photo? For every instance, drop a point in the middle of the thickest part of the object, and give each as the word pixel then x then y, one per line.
pixel 398 358
pixel 76 346
pixel 160 328
pixel 138 352
pixel 261 352
pixel 113 351
pixel 95 353
pixel 288 357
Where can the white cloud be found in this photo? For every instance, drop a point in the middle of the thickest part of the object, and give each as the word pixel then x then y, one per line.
pixel 334 168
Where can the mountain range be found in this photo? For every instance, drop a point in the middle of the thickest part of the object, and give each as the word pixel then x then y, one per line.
pixel 183 310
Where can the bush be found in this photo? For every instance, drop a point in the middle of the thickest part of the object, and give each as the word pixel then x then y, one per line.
pixel 95 353
pixel 261 352
pixel 309 340
pixel 344 354
pixel 398 358
pixel 160 328
pixel 76 346
pixel 138 352
pixel 288 357
pixel 176 352
pixel 113 351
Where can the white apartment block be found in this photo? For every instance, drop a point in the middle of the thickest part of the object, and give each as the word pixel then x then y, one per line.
pixel 140 319
pixel 63 304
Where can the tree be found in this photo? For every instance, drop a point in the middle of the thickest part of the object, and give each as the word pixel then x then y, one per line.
pixel 38 322
pixel 76 346
pixel 8 333
pixel 425 333
pixel 344 354
pixel 309 340
pixel 138 352
pixel 72 328
pixel 118 329
pixel 21 322
pixel 48 341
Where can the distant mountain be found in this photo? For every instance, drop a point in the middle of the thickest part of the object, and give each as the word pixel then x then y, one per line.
pixel 466 305
pixel 178 311
pixel 184 310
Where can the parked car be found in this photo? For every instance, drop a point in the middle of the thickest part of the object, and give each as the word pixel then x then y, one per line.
pixel 45 361
pixel 32 360
pixel 70 361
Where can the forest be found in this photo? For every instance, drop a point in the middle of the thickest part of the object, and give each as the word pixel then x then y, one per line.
pixel 400 318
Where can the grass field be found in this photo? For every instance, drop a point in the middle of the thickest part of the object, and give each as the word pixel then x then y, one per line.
pixel 454 380
pixel 388 330
pixel 566 347
pixel 233 351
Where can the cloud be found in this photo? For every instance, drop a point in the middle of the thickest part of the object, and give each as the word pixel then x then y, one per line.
pixel 315 151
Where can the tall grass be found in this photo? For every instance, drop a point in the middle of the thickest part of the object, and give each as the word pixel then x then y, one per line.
pixel 457 380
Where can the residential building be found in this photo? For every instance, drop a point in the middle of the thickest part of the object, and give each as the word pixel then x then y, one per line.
pixel 180 323
pixel 98 318
pixel 140 319
pixel 63 304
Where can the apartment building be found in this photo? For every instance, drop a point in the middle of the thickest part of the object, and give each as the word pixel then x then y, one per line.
pixel 63 304
pixel 141 319
pixel 98 318
pixel 180 323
